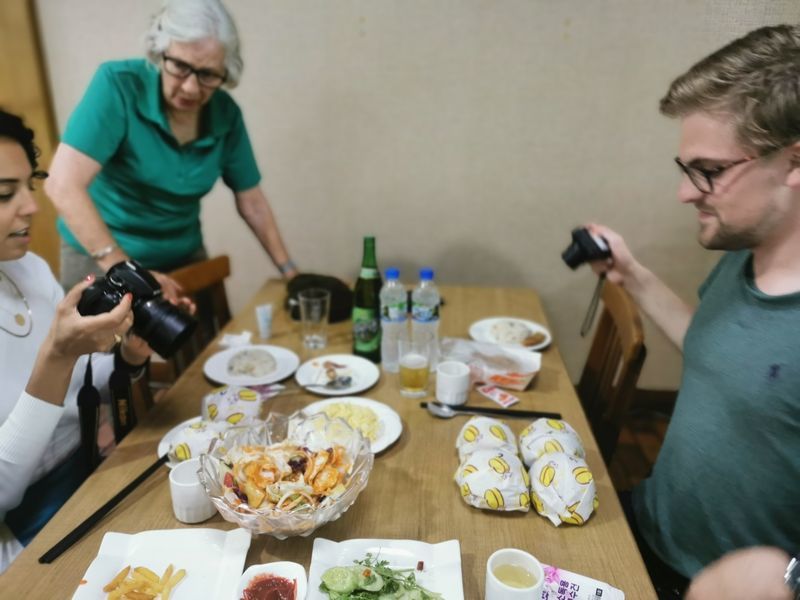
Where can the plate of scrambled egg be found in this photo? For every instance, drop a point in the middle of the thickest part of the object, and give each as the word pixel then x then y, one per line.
pixel 377 422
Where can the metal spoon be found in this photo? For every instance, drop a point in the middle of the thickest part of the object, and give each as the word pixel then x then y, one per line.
pixel 337 383
pixel 444 411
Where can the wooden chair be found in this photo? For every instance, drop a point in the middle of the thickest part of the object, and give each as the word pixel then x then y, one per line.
pixel 204 282
pixel 608 383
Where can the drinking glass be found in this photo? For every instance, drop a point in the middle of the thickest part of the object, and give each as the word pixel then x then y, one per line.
pixel 415 360
pixel 315 306
pixel 513 574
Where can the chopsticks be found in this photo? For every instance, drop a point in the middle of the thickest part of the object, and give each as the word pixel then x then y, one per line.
pixel 77 533
pixel 498 412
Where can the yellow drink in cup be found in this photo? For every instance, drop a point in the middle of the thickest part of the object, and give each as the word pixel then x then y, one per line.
pixel 415 366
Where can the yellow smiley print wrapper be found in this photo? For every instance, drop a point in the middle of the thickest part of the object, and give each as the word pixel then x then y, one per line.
pixel 563 489
pixel 232 404
pixel 495 480
pixel 481 433
pixel 192 441
pixel 549 435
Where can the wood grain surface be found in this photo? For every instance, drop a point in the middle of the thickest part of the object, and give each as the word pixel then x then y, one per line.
pixel 410 495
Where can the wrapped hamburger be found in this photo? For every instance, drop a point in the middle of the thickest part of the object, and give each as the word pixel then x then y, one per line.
pixel 481 433
pixel 194 440
pixel 495 480
pixel 563 489
pixel 232 404
pixel 549 435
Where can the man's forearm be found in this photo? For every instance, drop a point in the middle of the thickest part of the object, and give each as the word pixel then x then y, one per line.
pixel 661 304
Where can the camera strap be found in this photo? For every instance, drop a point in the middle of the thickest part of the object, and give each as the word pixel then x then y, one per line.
pixel 121 399
pixel 588 320
pixel 89 415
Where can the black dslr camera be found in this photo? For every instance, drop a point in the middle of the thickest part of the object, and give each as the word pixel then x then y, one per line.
pixel 162 325
pixel 585 247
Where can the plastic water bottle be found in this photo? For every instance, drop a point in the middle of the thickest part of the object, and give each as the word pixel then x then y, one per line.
pixel 425 312
pixel 394 309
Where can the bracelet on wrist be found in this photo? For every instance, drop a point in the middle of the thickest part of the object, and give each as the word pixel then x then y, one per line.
pixel 287 267
pixel 120 364
pixel 103 252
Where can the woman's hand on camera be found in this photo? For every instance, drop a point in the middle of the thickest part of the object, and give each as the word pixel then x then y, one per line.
pixel 72 334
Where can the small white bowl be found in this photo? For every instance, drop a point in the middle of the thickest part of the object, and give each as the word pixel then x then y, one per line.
pixel 286 569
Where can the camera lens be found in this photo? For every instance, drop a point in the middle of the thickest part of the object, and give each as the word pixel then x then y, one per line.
pixel 573 255
pixel 162 325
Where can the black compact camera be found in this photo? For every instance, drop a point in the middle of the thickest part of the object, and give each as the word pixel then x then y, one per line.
pixel 161 324
pixel 585 247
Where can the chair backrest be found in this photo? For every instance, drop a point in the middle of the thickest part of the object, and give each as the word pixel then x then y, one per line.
pixel 204 282
pixel 608 382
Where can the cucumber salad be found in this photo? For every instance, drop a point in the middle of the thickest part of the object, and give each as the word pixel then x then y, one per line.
pixel 372 579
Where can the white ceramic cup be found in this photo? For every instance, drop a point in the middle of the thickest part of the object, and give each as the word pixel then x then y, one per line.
pixel 190 503
pixel 452 382
pixel 497 590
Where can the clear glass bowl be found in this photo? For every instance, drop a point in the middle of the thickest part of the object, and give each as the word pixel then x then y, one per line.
pixel 315 432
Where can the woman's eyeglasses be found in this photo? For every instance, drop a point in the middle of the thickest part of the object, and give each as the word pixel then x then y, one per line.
pixel 182 70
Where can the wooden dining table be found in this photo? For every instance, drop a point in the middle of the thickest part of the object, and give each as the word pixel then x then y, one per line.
pixel 411 493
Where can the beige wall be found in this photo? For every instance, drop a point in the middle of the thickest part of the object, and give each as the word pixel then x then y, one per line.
pixel 471 135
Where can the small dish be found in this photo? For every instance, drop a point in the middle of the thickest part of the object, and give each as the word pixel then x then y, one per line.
pixel 286 569
pixel 216 367
pixel 364 374
pixel 481 331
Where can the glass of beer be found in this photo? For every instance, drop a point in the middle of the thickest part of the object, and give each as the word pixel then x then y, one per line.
pixel 415 363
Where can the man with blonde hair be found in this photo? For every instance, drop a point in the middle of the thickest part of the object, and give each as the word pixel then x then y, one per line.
pixel 728 474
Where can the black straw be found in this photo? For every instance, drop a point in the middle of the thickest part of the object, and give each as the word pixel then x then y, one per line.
pixel 77 533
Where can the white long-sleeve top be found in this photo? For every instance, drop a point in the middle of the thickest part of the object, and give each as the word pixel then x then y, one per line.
pixel 35 436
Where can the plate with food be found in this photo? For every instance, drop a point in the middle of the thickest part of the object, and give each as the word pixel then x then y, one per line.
pixel 251 365
pixel 424 571
pixel 337 375
pixel 376 421
pixel 511 331
pixel 177 563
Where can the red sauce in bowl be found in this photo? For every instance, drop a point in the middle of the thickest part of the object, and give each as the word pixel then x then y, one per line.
pixel 270 587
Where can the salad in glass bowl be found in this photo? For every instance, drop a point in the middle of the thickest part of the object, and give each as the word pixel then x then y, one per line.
pixel 288 475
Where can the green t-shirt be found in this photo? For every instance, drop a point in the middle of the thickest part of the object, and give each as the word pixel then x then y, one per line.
pixel 148 191
pixel 728 474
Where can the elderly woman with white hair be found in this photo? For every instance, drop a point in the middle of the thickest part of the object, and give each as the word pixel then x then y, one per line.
pixel 148 140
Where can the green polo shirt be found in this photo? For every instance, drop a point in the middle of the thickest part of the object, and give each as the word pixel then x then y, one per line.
pixel 149 188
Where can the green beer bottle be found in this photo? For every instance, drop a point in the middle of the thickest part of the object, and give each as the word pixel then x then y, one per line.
pixel 366 306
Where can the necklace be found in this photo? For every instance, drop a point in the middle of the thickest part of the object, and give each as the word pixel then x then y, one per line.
pixel 19 321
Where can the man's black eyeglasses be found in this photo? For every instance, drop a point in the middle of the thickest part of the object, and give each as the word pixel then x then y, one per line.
pixel 182 70
pixel 702 178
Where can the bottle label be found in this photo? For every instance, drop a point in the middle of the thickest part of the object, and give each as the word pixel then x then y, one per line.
pixel 366 329
pixel 423 313
pixel 394 313
pixel 368 273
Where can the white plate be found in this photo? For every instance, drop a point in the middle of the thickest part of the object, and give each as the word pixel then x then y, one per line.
pixel 364 373
pixel 286 569
pixel 213 560
pixel 216 367
pixel 171 436
pixel 390 424
pixel 441 572
pixel 481 331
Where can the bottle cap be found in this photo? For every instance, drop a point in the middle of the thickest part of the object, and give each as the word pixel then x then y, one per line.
pixel 392 273
pixel 426 273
